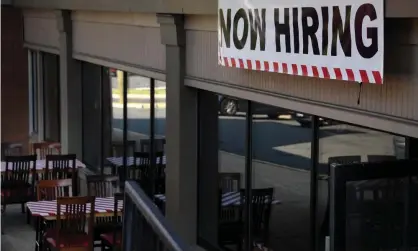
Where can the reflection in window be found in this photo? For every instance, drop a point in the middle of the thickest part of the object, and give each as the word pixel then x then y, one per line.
pixel 340 144
pixel 51 97
pixel 114 151
pixel 33 91
pixel 232 173
pixel 139 105
pixel 281 166
pixel 160 112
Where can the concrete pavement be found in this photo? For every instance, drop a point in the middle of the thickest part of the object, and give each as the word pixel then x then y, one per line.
pixel 283 142
pixel 289 227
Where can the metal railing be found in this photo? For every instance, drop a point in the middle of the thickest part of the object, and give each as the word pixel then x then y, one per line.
pixel 144 226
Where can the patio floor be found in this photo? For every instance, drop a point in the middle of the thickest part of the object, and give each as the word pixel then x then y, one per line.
pixel 18 236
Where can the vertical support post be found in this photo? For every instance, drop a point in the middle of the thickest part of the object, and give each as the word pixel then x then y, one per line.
pixel 102 123
pixel 314 184
pixel 121 86
pixel 125 128
pixel 248 176
pixel 208 170
pixel 70 88
pixel 181 132
pixel 152 136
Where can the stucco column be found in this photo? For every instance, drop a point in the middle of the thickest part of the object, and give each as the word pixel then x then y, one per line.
pixel 181 132
pixel 70 88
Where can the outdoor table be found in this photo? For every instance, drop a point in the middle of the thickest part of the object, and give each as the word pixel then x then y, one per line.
pixel 118 161
pixel 228 199
pixel 41 165
pixel 47 210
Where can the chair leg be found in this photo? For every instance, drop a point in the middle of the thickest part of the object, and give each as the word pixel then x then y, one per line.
pixel 103 246
pixel 23 208
pixel 28 217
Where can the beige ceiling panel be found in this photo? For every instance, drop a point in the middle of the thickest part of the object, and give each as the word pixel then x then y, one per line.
pixel 125 44
pixel 41 28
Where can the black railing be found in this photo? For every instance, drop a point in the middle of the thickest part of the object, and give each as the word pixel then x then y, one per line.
pixel 144 226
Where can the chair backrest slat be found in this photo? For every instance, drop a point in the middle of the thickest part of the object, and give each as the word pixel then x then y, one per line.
pixel 159 145
pixel 42 149
pixel 19 170
pixel 229 182
pixel 60 166
pixel 117 148
pixel 11 149
pixel 72 217
pixel 102 185
pixel 53 189
pixel 261 210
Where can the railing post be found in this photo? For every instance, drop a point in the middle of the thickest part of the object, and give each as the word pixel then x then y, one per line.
pixel 127 224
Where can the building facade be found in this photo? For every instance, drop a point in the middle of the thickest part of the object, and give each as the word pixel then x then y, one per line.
pixel 119 71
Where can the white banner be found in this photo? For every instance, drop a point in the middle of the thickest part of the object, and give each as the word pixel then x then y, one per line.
pixel 317 38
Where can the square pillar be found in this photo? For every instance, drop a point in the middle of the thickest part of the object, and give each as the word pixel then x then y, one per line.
pixel 208 186
pixel 181 132
pixel 70 88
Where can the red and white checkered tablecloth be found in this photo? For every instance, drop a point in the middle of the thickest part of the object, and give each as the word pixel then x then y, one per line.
pixel 49 208
pixel 118 161
pixel 228 199
pixel 41 164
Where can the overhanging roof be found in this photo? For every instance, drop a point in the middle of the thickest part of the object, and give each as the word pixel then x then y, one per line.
pixel 394 8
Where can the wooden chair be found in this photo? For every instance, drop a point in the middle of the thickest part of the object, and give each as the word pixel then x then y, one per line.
pixel 229 182
pixel 159 145
pixel 144 159
pixel 151 181
pixel 53 189
pixel 102 186
pixel 118 146
pixel 70 231
pixel 261 210
pixel 11 149
pixel 113 239
pixel 18 180
pixel 230 217
pixel 231 223
pixel 42 149
pixel 61 167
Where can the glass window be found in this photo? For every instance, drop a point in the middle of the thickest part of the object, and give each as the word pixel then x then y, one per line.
pixel 92 77
pixel 341 143
pixel 112 117
pixel 139 112
pixel 281 168
pixel 264 155
pixel 221 172
pixel 51 97
pixel 115 150
pixel 232 172
pixel 160 115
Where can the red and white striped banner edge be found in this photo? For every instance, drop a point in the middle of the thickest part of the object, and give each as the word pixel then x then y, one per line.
pixel 304 70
